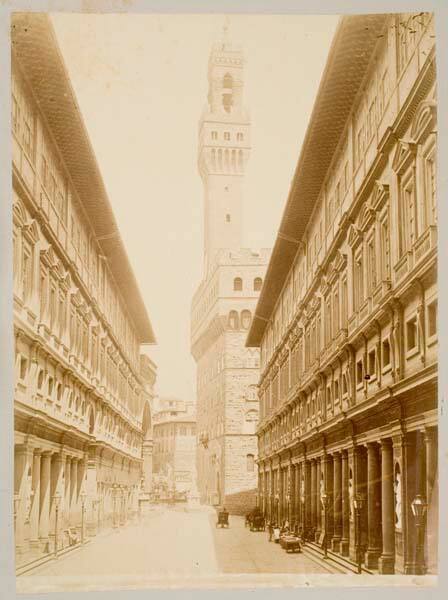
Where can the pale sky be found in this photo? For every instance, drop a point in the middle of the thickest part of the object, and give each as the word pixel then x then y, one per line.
pixel 141 83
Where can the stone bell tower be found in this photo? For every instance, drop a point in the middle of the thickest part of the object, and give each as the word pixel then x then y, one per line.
pixel 224 145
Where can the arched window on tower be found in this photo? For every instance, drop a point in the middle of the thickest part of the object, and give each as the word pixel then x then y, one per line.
pixel 233 320
pixel 258 282
pixel 245 319
pixel 237 284
pixel 227 92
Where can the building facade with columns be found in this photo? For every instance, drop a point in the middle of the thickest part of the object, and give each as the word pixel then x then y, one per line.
pixel 347 319
pixel 81 399
pixel 222 307
pixel 174 434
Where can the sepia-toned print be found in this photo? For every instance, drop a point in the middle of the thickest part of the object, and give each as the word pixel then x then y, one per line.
pixel 220 414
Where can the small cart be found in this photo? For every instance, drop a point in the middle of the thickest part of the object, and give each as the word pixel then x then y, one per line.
pixel 223 519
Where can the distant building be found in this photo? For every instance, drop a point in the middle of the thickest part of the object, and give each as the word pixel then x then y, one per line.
pixel 222 307
pixel 347 319
pixel 174 456
pixel 82 395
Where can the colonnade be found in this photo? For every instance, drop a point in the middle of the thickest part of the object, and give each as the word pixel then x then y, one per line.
pixel 316 492
pixel 43 480
pixel 50 481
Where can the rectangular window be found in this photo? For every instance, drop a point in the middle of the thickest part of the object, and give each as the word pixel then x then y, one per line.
pixel 359 370
pixel 335 313
pixel 411 334
pixel 372 362
pixel 359 281
pixel 23 367
pixel 410 214
pixel 227 135
pixel 430 185
pixel 27 272
pixel 344 304
pixel 214 135
pixel 386 352
pixel 385 248
pixel 240 137
pixel 432 319
pixel 371 258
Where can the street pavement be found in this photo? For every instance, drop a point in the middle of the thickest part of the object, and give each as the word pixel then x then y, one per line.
pixel 239 550
pixel 169 547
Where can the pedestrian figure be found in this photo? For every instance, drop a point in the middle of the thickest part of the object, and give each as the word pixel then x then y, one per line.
pixel 276 534
pixel 270 530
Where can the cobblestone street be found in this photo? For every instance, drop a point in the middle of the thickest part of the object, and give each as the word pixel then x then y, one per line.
pixel 169 546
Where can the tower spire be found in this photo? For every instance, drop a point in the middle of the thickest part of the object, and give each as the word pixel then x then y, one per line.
pixel 225 30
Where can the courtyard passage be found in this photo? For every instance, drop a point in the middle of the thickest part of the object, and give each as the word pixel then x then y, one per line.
pixel 168 547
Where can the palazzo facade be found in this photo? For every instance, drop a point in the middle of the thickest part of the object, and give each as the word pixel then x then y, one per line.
pixel 347 318
pixel 82 391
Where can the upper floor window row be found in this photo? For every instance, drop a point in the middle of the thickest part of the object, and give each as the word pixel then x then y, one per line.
pixel 238 284
pixel 227 136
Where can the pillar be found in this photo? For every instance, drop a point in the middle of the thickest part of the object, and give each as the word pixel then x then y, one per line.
pixel 300 497
pixel 318 501
pixel 147 465
pixel 337 502
pixel 313 497
pixel 35 502
pixel 82 473
pixel 432 498
pixel 56 488
pixel 345 541
pixel 373 506
pixel 387 559
pixel 44 501
pixel 328 487
pixel 67 478
pixel 92 502
pixel 22 463
pixel 73 491
pixel 307 499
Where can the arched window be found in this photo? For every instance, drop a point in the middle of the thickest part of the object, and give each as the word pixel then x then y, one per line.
pixel 237 284
pixel 59 392
pixel 250 463
pixel 258 282
pixel 245 319
pixel 233 320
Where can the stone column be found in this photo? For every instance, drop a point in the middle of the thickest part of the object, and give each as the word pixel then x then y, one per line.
pixel 92 498
pixel 313 497
pixel 282 475
pixel 73 491
pixel 373 506
pixel 307 499
pixel 328 487
pixel 82 472
pixel 147 465
pixel 337 502
pixel 318 501
pixel 67 473
pixel 387 560
pixel 432 498
pixel 35 503
pixel 22 460
pixel 56 488
pixel 345 541
pixel 44 501
pixel 300 490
